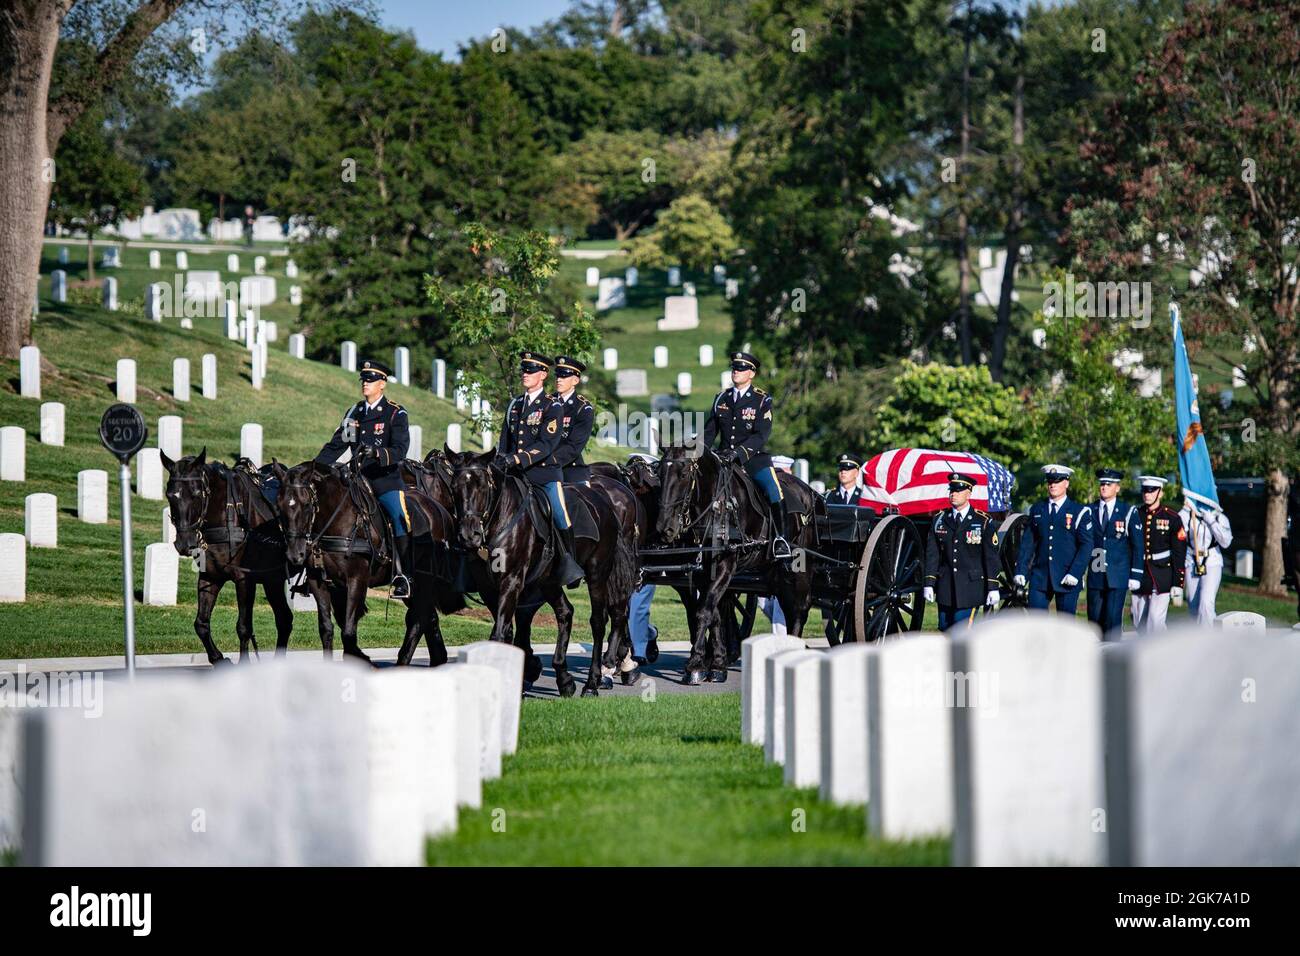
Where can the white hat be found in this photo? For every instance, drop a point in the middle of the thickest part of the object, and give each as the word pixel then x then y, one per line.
pixel 783 461
pixel 1152 481
pixel 1057 471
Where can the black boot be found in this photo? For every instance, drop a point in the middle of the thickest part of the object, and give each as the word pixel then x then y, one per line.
pixel 402 563
pixel 780 547
pixel 571 572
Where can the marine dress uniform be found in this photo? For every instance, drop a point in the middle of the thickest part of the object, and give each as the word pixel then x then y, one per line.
pixel 961 559
pixel 1054 552
pixel 1164 548
pixel 1116 564
pixel 741 422
pixel 379 435
pixel 576 423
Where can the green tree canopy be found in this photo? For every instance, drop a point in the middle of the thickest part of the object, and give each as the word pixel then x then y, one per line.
pixel 690 233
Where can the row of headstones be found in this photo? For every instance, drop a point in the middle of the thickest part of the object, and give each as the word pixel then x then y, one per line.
pixel 1032 743
pixel 255 290
pixel 610 357
pixel 292 763
pixel 112 259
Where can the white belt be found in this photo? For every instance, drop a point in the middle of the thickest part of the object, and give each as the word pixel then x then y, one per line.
pixel 1159 555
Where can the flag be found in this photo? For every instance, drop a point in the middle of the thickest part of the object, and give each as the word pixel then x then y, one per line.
pixel 1193 454
pixel 915 480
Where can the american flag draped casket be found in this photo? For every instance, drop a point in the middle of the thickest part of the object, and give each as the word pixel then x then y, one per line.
pixel 915 480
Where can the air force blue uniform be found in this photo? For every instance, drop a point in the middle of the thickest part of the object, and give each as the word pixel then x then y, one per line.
pixel 1056 545
pixel 1117 550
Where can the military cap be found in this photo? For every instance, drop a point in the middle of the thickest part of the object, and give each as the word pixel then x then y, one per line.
pixel 743 362
pixel 373 370
pixel 1109 475
pixel 959 482
pixel 530 361
pixel 1152 481
pixel 847 461
pixel 568 365
pixel 1056 472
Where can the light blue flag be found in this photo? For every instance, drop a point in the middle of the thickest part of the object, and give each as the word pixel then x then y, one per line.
pixel 1193 454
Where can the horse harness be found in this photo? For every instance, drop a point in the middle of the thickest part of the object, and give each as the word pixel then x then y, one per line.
pixel 233 531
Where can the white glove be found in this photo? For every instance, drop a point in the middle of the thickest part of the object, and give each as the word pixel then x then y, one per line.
pixel 928 593
pixel 1069 580
pixel 1134 584
pixel 1019 581
pixel 993 598
pixel 1175 592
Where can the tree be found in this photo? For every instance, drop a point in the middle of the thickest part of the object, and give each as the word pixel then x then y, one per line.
pixel 690 233
pixel 1204 156
pixel 957 407
pixel 508 306
pixel 98 44
pixel 94 185
pixel 633 175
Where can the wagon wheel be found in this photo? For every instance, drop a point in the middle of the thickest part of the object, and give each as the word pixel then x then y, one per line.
pixel 1010 532
pixel 887 598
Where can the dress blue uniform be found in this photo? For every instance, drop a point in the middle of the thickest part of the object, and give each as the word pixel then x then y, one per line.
pixel 1116 565
pixel 961 559
pixel 1054 553
pixel 575 426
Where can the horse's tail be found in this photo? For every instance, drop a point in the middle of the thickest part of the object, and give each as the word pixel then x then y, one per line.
pixel 625 574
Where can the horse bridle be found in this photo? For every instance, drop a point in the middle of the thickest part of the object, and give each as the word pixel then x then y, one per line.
pixel 312 542
pixel 694 464
pixel 494 499
pixel 196 528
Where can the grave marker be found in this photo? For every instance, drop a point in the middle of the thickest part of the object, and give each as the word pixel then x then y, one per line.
pixel 1243 622
pixel 683 383
pixel 631 277
pixel 803 749
pixel 402 365
pixel 295 295
pixel 415 450
pixel 41 520
pixel 210 376
pixel 232 263
pixel 110 294
pixel 29 371
pixel 170 428
pixel 611 360
pixel 13 453
pixel 754 652
pixel 774 680
pixel 259 265
pixel 52 418
pixel 348 355
pixel 732 289
pixel 674 275
pixel 631 382
pixel 706 354
pixel 182 260
pixel 63 255
pixel 181 379
pixel 232 319
pixel 59 285
pixel 92 496
pixel 153 301
pixel 250 443
pixel 593 276
pixel 612 294
pixel 291 269
pixel 439 378
pixel 719 275
pixel 168 529
pixel 661 356
pixel 13 568
pixel 453 436
pixel 486 684
pixel 681 312
pixel 149 474
pixel 508 661
pixel 161 567
pixel 843 715
pixel 125 380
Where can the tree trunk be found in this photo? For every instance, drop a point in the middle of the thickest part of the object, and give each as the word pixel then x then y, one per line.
pixel 963 220
pixel 90 255
pixel 221 207
pixel 27 43
pixel 1271 567
pixel 998 359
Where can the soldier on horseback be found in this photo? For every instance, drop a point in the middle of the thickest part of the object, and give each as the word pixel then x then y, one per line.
pixel 377 432
pixel 576 423
pixel 530 438
pixel 741 420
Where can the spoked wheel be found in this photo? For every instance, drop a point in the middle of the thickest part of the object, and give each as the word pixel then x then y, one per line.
pixel 1010 532
pixel 887 598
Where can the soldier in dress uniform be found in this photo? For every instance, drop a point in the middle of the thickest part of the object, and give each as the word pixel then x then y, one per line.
pixel 1055 551
pixel 1208 533
pixel 1164 546
pixel 378 433
pixel 530 435
pixel 741 421
pixel 575 426
pixel 961 556
pixel 1116 565
pixel 850 488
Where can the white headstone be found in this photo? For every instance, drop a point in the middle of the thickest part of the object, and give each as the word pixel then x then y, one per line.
pixel 59 285
pixel 611 360
pixel 182 260
pixel 754 652
pixel 1245 563
pixel 719 275
pixel 612 294
pixel 110 294
pixel 149 474
pixel 469 743
pixel 154 296
pixel 155 259
pixel 706 354
pixel 52 416
pixel 170 430
pixel 661 356
pixel 348 356
pixel 63 256
pixel 258 367
pixel 203 286
pixel 232 263
pixel 803 749
pixel 843 731
pixel 13 568
pixel 732 289
pixel 29 371
pixel 986 257
pixel 295 295
pixel 453 436
pixel 13 453
pixel 1201 745
pixel 1027 743
pixel 297 345
pixel 231 310
pixel 689 289
pixel 126 380
pixel 909 739
pixel 210 376
pixel 631 382
pixel 483 683
pixel 415 450
pixel 161 567
pixel 402 365
pixel 818 486
pixel 92 496
pixel 681 312
pixel 475 406
pixel 724 381
pixel 11 770
pixel 291 269
pixel 508 661
pixel 593 276
pixel 801 469
pixel 774 682
pixel 187 323
pixel 41 520
pixel 487 439
pixel 168 528
pixel 181 379
pixel 439 378
pixel 250 443
pixel 1243 622
pixel 249 329
pixel 257 291
pixel 631 276
pixel 683 383
pixel 674 275
pixel 259 265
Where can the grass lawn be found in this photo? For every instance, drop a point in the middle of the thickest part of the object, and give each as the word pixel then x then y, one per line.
pixel 633 782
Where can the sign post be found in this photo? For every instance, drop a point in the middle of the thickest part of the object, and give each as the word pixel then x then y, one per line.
pixel 123 432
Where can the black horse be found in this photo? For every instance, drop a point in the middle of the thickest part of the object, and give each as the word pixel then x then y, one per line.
pixel 517 555
pixel 717 507
pixel 223 520
pixel 335 527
